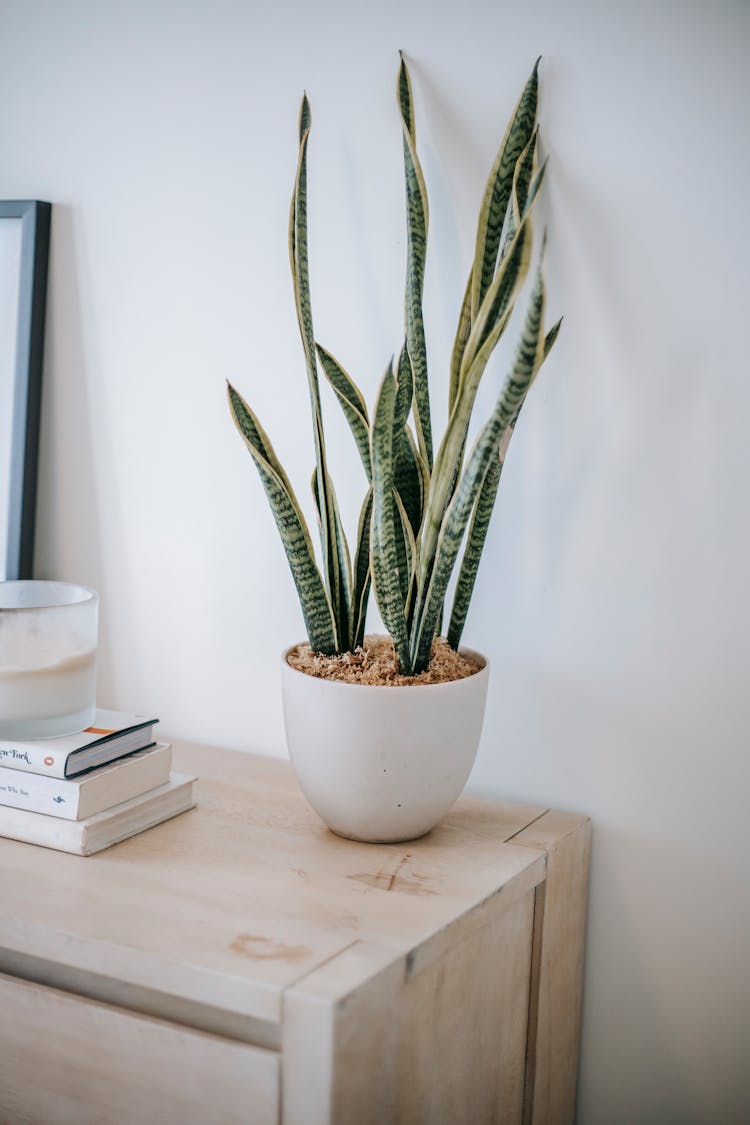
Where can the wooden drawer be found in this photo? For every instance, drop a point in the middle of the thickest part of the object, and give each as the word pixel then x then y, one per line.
pixel 65 1059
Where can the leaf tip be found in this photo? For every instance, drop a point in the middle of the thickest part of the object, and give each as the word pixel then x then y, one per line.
pixel 305 116
pixel 403 86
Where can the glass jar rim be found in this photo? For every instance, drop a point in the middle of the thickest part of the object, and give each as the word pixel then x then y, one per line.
pixel 74 594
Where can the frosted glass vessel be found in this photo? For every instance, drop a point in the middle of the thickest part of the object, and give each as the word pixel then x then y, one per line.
pixel 48 633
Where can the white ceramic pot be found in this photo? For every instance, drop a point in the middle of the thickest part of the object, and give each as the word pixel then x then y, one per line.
pixel 382 764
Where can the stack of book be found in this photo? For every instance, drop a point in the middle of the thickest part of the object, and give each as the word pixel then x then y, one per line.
pixel 84 792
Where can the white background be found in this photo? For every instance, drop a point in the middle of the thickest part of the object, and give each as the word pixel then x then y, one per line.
pixel 612 598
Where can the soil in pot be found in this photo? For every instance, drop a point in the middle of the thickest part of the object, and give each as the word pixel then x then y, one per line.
pixel 375 664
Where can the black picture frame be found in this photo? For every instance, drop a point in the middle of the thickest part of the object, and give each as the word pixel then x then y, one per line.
pixel 22 459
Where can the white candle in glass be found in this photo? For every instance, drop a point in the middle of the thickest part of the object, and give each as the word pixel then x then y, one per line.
pixel 48 634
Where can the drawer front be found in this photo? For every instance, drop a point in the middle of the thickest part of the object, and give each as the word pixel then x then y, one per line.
pixel 65 1059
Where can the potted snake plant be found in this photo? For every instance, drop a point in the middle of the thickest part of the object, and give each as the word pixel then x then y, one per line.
pixel 382 732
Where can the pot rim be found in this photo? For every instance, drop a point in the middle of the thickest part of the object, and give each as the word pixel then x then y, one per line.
pixel 482 672
pixel 77 594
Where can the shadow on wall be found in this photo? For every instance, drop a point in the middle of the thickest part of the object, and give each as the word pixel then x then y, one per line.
pixel 71 492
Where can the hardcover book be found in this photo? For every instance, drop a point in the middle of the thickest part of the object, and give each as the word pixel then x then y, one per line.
pixel 92 792
pixel 85 837
pixel 112 735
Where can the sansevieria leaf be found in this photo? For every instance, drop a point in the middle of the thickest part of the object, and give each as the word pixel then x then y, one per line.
pixel 417 215
pixel 316 608
pixel 383 554
pixel 551 336
pixel 331 532
pixel 480 521
pixel 462 336
pixel 498 303
pixel 498 189
pixel 352 403
pixel 408 467
pixel 344 621
pixel 497 306
pixel 362 575
pixel 407 553
pixel 522 178
pixel 529 355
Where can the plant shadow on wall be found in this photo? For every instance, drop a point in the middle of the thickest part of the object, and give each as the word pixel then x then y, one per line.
pixel 423 499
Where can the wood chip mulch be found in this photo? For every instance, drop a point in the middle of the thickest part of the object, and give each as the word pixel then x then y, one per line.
pixel 375 663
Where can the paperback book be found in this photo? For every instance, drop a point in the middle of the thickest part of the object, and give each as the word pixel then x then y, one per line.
pixel 92 792
pixel 85 837
pixel 112 735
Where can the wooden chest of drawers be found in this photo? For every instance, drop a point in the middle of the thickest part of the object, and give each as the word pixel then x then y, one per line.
pixel 241 964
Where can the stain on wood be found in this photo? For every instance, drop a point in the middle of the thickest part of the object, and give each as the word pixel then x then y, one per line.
pixel 396 880
pixel 264 949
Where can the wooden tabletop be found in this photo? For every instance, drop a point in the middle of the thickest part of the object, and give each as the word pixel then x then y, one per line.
pixel 231 903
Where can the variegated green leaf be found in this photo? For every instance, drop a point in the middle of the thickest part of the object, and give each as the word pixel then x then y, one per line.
pixel 407 553
pixel 459 347
pixel 522 177
pixel 362 576
pixel 417 213
pixel 408 477
pixel 330 530
pixel 345 573
pixel 529 355
pixel 383 549
pixel 498 302
pixel 316 497
pixel 534 186
pixel 480 522
pixel 345 566
pixel 551 336
pixel 402 561
pixel 316 607
pixel 404 390
pixel 352 403
pixel 517 264
pixel 493 316
pixel 423 471
pixel 498 189
pixel 407 465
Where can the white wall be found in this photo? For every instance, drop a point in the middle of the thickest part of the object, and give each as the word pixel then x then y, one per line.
pixel 613 594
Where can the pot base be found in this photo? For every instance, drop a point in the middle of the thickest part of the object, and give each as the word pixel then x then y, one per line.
pixel 378 839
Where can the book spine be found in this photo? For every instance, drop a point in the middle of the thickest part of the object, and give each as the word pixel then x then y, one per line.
pixel 34 793
pixel 33 759
pixel 49 831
